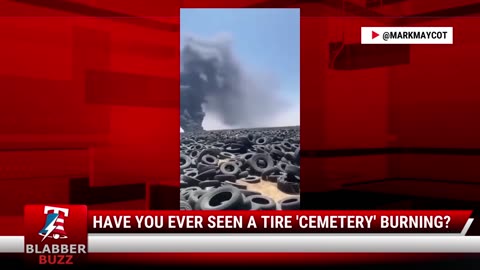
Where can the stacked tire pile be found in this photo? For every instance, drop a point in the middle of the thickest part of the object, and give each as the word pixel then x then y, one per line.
pixel 214 164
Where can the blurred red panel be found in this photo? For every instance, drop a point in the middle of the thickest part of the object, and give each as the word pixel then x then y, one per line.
pixel 220 3
pixel 340 109
pixel 36 47
pixel 326 174
pixel 355 109
pixel 41 106
pixel 314 65
pixel 435 167
pixel 113 88
pixel 46 94
pixel 142 144
pixel 354 56
pixel 44 67
pixel 91 49
pixel 414 7
pixel 43 164
pixel 433 102
pixel 128 205
pixel 141 8
pixel 12 8
pixel 14 194
pixel 53 68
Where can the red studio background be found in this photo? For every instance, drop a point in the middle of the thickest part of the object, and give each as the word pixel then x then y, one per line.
pixel 89 107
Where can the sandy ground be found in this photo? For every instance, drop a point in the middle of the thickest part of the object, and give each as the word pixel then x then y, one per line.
pixel 266 188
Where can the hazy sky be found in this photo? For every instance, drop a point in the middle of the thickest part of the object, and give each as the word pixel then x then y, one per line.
pixel 264 40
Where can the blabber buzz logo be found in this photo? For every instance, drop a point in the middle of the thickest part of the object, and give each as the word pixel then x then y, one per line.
pixel 55 218
pixel 56 235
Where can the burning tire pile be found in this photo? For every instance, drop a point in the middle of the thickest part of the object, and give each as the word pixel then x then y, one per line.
pixel 219 170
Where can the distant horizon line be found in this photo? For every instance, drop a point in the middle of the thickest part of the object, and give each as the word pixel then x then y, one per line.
pixel 278 127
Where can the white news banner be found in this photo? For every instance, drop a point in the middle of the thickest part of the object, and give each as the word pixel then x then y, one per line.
pixel 134 243
pixel 407 35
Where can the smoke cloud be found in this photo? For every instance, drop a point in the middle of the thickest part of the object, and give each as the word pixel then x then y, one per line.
pixel 214 81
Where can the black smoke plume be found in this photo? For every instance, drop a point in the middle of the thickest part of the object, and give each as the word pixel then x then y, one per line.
pixel 214 81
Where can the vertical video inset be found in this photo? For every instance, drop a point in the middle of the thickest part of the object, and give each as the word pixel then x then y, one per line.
pixel 240 109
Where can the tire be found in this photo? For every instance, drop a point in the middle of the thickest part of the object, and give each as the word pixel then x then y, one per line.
pixel 255 160
pixel 288 187
pixel 260 202
pixel 195 197
pixel 297 156
pixel 189 170
pixel 225 155
pixel 210 151
pixel 185 161
pixel 239 162
pixel 204 167
pixel 274 178
pixel 239 186
pixel 194 154
pixel 242 174
pixel 248 156
pixel 190 180
pixel 209 159
pixel 276 147
pixel 276 154
pixel 229 168
pixel 206 175
pixel 244 141
pixel 234 148
pixel 223 177
pixel 218 145
pixel 287 147
pixel 282 165
pixel 249 193
pixel 251 137
pixel 259 149
pixel 290 156
pixel 197 147
pixel 261 141
pixel 293 178
pixel 223 198
pixel 251 179
pixel 292 170
pixel 185 206
pixel 270 171
pixel 247 204
pixel 183 184
pixel 192 173
pixel 210 183
pixel 185 193
pixel 290 203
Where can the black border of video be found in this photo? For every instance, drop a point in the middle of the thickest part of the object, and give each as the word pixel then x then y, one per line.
pixel 240 109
